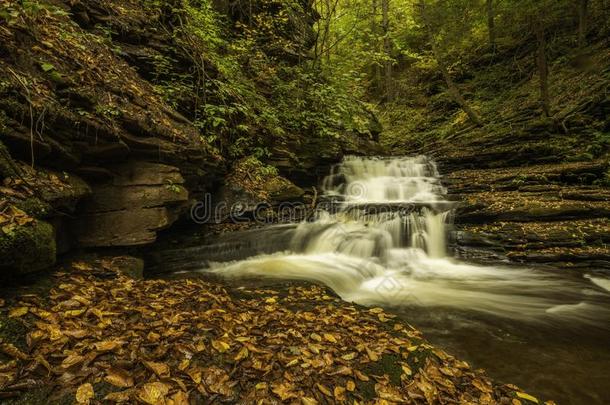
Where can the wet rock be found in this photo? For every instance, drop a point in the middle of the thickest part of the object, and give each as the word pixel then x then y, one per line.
pixel 281 190
pixel 26 249
pixel 130 266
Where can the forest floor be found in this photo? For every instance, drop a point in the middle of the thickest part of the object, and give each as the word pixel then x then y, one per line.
pixel 96 335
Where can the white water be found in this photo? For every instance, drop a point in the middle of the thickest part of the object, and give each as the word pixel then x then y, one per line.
pixel 371 251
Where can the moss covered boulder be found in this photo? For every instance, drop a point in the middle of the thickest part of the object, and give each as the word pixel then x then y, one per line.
pixel 281 190
pixel 26 248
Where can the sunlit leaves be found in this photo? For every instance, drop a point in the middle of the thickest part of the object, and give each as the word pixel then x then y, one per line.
pixel 84 394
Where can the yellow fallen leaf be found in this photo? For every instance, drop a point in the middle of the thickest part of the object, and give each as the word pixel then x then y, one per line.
pixel 330 338
pixel 242 354
pixel 76 333
pixel 527 397
pixel 351 385
pixel 107 345
pixel 153 393
pixel 184 364
pixel 261 386
pixel 482 386
pixel 160 369
pixel 372 355
pixel 118 378
pixel 200 346
pixel 72 360
pixel 18 312
pixel 406 369
pixel 284 391
pixel 119 397
pixel 308 401
pixel 361 376
pixel 179 398
pixel 220 346
pixel 316 337
pixel 349 356
pixel 84 394
pixel 73 313
pixel 324 390
pixel 339 393
pixel 195 374
pixel 271 300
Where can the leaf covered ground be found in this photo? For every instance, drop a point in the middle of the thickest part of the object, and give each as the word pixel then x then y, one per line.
pixel 101 337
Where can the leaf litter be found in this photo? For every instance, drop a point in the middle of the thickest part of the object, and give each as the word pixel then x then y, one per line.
pixel 102 337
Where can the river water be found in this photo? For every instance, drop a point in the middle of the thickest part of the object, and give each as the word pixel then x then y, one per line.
pixel 382 240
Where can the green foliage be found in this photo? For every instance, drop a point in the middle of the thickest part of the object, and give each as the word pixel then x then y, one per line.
pixel 241 95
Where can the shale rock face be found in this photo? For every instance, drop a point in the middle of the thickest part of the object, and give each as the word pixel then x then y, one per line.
pixel 140 200
pixel 550 213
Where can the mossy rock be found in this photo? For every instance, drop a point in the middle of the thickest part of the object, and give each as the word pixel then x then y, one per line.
pixel 27 249
pixel 281 189
pixel 34 207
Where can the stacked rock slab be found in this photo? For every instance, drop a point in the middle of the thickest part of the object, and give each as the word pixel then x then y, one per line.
pixel 141 199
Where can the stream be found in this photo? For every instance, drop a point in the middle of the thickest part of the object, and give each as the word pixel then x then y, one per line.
pixel 382 239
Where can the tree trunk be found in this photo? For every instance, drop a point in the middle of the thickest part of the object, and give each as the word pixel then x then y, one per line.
pixel 454 91
pixel 543 69
pixel 376 69
pixel 387 48
pixel 583 20
pixel 491 25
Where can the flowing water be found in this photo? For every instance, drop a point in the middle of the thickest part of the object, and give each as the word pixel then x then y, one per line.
pixel 382 240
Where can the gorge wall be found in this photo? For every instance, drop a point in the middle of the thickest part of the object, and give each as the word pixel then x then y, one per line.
pixel 115 115
pixel 531 188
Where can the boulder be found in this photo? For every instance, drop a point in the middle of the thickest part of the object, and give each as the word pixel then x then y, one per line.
pixel 26 249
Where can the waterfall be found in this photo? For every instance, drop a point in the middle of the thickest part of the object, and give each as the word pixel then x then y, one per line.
pixel 382 239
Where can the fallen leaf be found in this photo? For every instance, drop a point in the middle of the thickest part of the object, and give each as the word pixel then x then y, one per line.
pixel 118 378
pixel 372 355
pixel 153 393
pixel 18 312
pixel 84 394
pixel 195 374
pixel 316 337
pixel 324 390
pixel 339 393
pixel 330 338
pixel 107 345
pixel 179 398
pixel 220 346
pixel 119 397
pixel 160 369
pixel 72 360
pixel 242 354
pixel 284 391
pixel 361 376
pixel 527 397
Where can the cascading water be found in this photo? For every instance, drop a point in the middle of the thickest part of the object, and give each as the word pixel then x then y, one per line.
pixel 383 241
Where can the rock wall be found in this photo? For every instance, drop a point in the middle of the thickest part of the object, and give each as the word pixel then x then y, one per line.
pixel 95 155
pixel 556 214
